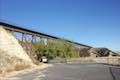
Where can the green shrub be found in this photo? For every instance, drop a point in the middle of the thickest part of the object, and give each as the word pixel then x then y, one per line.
pixel 54 48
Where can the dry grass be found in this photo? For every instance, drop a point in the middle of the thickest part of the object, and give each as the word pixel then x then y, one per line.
pixel 0 70
pixel 8 64
pixel 19 66
pixel 14 67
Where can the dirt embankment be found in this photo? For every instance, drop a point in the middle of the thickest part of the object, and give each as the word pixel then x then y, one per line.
pixel 12 55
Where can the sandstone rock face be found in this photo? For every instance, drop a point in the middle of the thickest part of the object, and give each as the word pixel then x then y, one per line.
pixel 10 46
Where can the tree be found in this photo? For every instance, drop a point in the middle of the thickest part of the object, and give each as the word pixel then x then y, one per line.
pixel 55 48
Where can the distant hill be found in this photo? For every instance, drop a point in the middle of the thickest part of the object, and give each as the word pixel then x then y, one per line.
pixel 96 52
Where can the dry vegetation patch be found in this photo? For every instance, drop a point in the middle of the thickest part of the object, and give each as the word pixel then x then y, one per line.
pixel 8 64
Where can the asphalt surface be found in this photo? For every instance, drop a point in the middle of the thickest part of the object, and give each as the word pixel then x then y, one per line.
pixel 73 72
pixel 82 72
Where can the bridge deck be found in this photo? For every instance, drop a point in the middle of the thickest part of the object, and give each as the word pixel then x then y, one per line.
pixel 34 33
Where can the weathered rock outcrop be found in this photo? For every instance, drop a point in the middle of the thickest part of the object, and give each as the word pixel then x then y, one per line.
pixel 100 52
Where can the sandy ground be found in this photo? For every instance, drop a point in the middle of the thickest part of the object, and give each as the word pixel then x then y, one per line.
pixel 6 76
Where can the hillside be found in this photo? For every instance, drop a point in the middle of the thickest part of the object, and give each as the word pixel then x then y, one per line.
pixel 12 55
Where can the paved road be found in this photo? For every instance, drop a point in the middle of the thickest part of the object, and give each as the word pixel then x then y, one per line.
pixel 82 72
pixel 73 72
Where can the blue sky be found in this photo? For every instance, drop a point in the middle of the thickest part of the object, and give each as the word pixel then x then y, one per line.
pixel 91 22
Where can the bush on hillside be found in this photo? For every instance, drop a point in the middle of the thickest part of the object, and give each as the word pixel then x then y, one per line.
pixel 53 49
